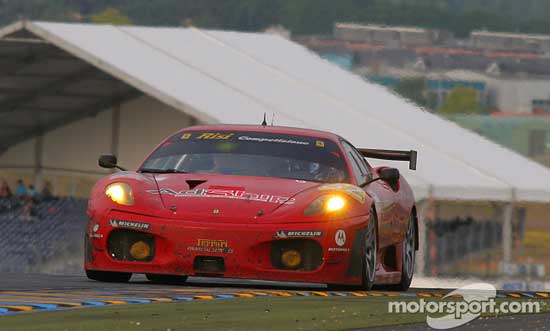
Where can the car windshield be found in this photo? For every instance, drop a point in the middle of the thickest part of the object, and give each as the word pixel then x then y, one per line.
pixel 250 154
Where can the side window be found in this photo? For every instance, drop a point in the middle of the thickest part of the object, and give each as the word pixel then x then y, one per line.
pixel 356 165
pixel 365 168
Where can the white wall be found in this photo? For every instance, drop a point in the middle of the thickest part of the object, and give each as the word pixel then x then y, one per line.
pixel 512 94
pixel 77 145
pixel 70 153
pixel 144 123
pixel 517 95
pixel 20 155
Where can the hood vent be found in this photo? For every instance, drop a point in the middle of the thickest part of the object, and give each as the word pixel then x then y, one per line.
pixel 194 183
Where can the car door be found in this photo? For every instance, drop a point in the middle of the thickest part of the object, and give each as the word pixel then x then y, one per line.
pixel 381 192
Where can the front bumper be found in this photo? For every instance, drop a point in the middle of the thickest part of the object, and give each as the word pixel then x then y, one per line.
pixel 246 249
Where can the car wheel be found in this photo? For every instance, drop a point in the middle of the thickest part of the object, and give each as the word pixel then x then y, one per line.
pixel 109 276
pixel 166 279
pixel 409 256
pixel 370 251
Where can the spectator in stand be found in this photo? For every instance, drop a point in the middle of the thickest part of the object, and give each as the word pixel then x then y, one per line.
pixel 31 192
pixel 20 189
pixel 28 210
pixel 47 192
pixel 5 191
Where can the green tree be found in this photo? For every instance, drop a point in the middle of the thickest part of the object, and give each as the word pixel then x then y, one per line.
pixel 461 100
pixel 413 89
pixel 111 16
pixel 300 16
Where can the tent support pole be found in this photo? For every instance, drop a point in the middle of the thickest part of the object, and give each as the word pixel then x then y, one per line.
pixel 422 208
pixel 424 212
pixel 507 215
pixel 38 156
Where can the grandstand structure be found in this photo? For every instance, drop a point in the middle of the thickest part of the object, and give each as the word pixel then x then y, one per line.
pixel 69 92
pixel 49 239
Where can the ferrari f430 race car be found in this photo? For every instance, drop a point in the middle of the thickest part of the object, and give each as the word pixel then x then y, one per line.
pixel 255 202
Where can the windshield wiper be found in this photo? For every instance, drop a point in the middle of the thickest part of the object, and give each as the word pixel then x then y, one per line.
pixel 161 171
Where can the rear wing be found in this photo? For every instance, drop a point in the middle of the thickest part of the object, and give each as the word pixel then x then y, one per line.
pixel 391 155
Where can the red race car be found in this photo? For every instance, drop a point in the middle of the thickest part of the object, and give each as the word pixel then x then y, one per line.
pixel 255 202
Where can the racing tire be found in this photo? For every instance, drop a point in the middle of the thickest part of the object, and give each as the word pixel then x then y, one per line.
pixel 166 279
pixel 408 259
pixel 369 253
pixel 109 276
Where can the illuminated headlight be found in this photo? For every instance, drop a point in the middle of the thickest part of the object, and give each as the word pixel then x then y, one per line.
pixel 335 203
pixel 326 204
pixel 120 193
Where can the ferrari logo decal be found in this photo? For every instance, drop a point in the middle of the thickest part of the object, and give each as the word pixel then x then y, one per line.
pixel 212 243
pixel 211 246
pixel 320 143
pixel 353 191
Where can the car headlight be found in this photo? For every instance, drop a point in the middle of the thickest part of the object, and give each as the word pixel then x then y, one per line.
pixel 326 204
pixel 120 193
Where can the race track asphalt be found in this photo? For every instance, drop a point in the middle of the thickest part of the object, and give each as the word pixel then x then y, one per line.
pixel 19 281
pixel 28 292
pixel 16 281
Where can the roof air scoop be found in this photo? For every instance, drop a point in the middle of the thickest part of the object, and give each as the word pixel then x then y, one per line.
pixel 194 183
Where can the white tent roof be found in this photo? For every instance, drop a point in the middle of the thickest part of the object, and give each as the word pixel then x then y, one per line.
pixel 232 77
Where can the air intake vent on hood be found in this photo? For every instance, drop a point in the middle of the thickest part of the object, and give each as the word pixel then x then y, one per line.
pixel 194 183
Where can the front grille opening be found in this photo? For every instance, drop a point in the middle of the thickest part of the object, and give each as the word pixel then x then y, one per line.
pixel 209 264
pixel 129 245
pixel 310 251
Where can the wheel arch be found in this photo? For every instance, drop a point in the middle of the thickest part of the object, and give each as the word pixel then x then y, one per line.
pixel 356 251
pixel 373 208
pixel 415 220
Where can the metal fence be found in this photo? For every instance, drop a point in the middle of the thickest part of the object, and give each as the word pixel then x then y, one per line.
pixel 450 241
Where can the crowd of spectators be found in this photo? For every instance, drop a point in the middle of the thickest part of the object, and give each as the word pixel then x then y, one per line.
pixel 23 191
pixel 51 242
pixel 5 191
pixel 40 231
pixel 25 197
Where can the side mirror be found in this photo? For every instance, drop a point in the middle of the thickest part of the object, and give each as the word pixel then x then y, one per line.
pixel 108 161
pixel 390 176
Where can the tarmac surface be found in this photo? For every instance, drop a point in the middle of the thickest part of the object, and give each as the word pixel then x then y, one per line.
pixel 24 293
pixel 16 281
